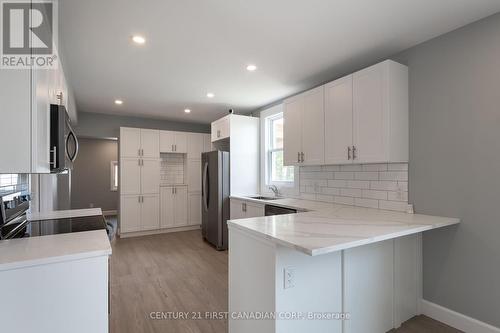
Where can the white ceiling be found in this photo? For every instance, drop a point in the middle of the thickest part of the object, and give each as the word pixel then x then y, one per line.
pixel 199 46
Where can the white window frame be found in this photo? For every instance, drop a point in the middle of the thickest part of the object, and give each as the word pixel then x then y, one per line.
pixel 114 176
pixel 285 187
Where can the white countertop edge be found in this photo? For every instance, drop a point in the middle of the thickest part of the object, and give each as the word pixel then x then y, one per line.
pixel 53 260
pixel 345 246
pixel 63 214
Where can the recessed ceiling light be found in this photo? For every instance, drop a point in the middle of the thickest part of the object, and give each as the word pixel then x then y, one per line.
pixel 251 68
pixel 210 95
pixel 138 39
pixel 187 110
pixel 118 102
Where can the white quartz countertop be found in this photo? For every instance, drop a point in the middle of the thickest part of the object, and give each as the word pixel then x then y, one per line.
pixel 32 251
pixel 63 214
pixel 326 227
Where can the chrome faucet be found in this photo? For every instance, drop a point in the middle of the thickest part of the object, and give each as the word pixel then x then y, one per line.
pixel 275 190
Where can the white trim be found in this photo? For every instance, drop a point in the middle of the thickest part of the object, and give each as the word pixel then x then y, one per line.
pixel 158 231
pixel 109 212
pixel 455 319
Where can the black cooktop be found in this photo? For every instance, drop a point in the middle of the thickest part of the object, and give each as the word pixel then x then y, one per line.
pixel 20 228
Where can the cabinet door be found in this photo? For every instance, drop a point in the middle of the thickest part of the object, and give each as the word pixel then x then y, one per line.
pixel 150 212
pixel 195 145
pixel 167 207
pixel 292 131
pixel 207 143
pixel 180 142
pixel 180 206
pixel 194 212
pixel 220 129
pixel 313 127
pixel 194 175
pixel 150 141
pixel 150 176
pixel 130 176
pixel 338 121
pixel 236 209
pixel 167 142
pixel 370 123
pixel 254 210
pixel 130 213
pixel 130 142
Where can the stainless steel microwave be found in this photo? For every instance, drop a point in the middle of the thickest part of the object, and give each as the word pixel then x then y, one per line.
pixel 63 141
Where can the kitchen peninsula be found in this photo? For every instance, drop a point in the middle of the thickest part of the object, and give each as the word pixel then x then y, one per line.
pixel 328 261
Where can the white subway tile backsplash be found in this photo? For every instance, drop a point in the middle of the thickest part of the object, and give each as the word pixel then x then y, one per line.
pixel 358 184
pixel 394 175
pixel 383 185
pixel 366 175
pixel 350 192
pixel 344 175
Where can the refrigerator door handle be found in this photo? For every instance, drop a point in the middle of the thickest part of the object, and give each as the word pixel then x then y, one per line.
pixel 204 187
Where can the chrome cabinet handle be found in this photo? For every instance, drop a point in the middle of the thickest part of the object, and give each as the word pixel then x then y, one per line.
pixel 348 153
pixel 142 152
pixel 139 152
pixel 302 157
pixel 139 199
pixel 354 149
pixel 243 207
pixel 298 157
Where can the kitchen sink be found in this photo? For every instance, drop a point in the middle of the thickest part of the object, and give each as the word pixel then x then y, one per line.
pixel 264 198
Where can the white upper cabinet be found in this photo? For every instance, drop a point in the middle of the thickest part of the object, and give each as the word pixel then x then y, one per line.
pixel 195 145
pixel 380 114
pixel 292 132
pixel 338 121
pixel 173 142
pixel 130 176
pixel 304 128
pixel 136 142
pixel 360 118
pixel 150 140
pixel 221 128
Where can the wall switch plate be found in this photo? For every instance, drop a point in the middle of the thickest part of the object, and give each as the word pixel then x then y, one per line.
pixel 288 277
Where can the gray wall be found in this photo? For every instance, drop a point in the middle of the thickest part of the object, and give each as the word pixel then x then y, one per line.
pixel 91 176
pixel 455 164
pixel 95 125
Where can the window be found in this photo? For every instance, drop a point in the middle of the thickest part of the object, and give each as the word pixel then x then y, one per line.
pixel 276 172
pixel 10 183
pixel 114 176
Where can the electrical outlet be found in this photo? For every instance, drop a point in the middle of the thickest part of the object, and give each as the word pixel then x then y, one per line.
pixel 288 277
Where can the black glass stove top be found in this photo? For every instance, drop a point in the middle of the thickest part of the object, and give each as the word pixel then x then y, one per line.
pixel 21 228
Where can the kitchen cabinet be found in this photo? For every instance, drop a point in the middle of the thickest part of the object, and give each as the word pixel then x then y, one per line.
pixel 139 213
pixel 242 209
pixel 139 176
pixel 338 121
pixel 221 128
pixel 26 97
pixel 150 176
pixel 194 209
pixel 174 206
pixel 194 175
pixel 150 212
pixel 360 118
pixel 195 145
pixel 137 142
pixel 304 135
pixel 173 142
pixel 380 113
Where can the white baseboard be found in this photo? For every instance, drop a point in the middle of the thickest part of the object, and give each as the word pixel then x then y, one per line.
pixel 455 319
pixel 156 232
pixel 109 212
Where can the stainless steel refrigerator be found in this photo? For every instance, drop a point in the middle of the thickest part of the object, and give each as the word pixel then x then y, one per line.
pixel 215 197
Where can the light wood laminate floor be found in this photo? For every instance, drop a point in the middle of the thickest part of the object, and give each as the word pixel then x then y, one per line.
pixel 179 272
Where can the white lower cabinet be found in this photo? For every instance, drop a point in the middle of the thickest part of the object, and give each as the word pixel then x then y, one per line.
pixel 139 213
pixel 194 209
pixel 174 206
pixel 242 209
